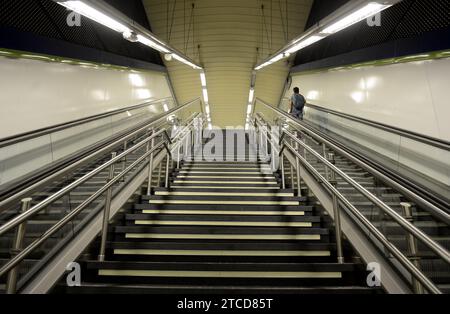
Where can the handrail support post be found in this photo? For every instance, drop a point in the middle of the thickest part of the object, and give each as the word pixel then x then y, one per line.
pixel 11 283
pixel 412 247
pixel 283 180
pixel 299 178
pixel 336 213
pixel 167 171
pixel 106 212
pixel 150 165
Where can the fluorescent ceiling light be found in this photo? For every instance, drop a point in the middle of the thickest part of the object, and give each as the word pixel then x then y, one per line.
pixel 203 79
pixel 166 108
pixel 205 95
pixel 183 60
pixel 249 109
pixel 362 14
pixel 95 15
pixel 207 110
pixel 277 58
pixel 152 44
pixel 251 95
pixel 368 10
pixel 304 43
pixel 90 12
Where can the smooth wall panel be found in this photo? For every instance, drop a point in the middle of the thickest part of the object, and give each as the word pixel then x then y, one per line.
pixel 438 75
pixel 411 96
pixel 36 94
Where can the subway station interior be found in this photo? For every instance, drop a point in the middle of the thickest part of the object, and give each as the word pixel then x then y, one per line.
pixel 226 147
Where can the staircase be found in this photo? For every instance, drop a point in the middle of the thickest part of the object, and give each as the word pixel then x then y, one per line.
pixel 222 227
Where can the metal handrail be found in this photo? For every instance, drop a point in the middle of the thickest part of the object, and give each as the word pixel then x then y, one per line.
pixel 406 225
pixel 435 210
pixel 13 199
pixel 20 219
pixel 412 269
pixel 425 139
pixel 60 224
pixel 63 126
pixel 54 197
pixel 434 246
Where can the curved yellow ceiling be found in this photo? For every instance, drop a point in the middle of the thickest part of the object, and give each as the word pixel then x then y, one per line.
pixel 232 35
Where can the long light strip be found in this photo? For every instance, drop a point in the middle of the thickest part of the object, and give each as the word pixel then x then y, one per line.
pixel 203 79
pixel 152 44
pixel 305 43
pixel 322 32
pixel 95 15
pixel 251 95
pixel 362 14
pixel 92 13
pixel 183 60
pixel 205 95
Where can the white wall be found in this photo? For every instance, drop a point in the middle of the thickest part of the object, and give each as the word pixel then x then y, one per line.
pixel 36 94
pixel 412 96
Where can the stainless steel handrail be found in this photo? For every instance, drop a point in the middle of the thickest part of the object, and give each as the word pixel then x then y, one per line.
pixel 20 219
pixel 411 268
pixel 406 225
pixel 59 127
pixel 14 199
pixel 434 246
pixel 425 139
pixel 436 211
pixel 54 197
pixel 441 252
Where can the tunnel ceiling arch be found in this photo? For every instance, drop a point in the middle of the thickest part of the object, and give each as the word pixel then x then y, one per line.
pixel 232 37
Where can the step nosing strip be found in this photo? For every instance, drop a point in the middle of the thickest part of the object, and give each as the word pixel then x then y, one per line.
pixel 187 193
pixel 211 202
pixel 211 212
pixel 218 274
pixel 273 182
pixel 226 223
pixel 281 253
pixel 223 236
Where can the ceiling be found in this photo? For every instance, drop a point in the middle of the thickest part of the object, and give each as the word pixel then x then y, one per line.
pixel 228 37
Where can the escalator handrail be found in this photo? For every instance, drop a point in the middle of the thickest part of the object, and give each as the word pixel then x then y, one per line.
pixel 11 140
pixel 15 198
pixel 425 139
pixel 435 210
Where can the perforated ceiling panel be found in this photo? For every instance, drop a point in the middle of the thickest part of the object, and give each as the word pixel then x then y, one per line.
pixel 228 33
pixel 406 19
pixel 47 18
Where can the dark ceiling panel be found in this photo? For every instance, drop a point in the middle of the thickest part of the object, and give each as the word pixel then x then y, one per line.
pixel 47 18
pixel 407 19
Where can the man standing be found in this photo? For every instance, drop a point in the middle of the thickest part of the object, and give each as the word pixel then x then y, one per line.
pixel 297 104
